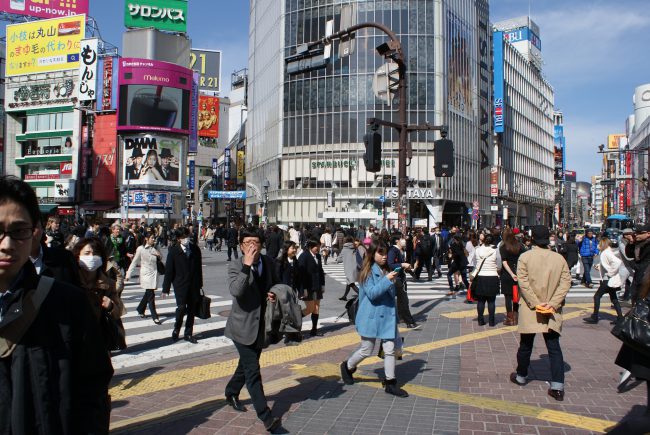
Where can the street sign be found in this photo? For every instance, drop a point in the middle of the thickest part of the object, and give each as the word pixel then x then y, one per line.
pixel 382 198
pixel 476 205
pixel 385 80
pixel 227 194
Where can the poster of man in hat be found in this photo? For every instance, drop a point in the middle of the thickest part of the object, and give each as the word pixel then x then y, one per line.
pixel 152 159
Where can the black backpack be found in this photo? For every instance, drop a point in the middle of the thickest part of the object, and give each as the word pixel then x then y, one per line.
pixel 426 245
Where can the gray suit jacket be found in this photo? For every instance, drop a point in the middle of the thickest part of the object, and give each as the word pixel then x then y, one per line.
pixel 243 324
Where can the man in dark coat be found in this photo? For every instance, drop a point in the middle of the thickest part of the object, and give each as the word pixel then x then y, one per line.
pixel 134 165
pixel 640 251
pixel 250 279
pixel 54 367
pixel 168 172
pixel 424 251
pixel 183 269
pixel 57 263
pixel 274 242
pixel 231 241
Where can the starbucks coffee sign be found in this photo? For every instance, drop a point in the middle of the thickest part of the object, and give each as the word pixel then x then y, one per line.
pixel 347 163
pixel 160 14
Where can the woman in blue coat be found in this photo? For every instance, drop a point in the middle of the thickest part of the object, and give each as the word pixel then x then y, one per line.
pixel 376 317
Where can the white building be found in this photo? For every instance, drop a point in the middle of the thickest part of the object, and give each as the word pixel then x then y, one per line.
pixel 597 199
pixel 638 133
pixel 524 126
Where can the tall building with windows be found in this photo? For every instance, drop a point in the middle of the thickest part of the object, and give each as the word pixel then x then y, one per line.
pixel 638 134
pixel 524 125
pixel 305 132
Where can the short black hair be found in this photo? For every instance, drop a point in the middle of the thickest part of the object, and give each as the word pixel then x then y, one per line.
pixel 312 242
pixel 182 232
pixel 15 190
pixel 246 232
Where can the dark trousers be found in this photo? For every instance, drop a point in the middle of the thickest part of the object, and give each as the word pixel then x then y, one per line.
pixel 510 305
pixel 604 288
pixel 628 290
pixel 231 250
pixel 185 306
pixel 248 373
pixel 424 261
pixel 437 261
pixel 552 340
pixel 149 298
pixel 463 277
pixel 587 262
pixel 403 310
pixel 352 286
pixel 480 308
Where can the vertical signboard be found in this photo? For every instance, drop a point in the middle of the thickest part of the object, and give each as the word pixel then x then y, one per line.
pixel 108 84
pixel 241 167
pixel 484 90
pixel 44 46
pixel 559 142
pixel 208 116
pixel 194 115
pixel 45 8
pixel 498 82
pixel 192 175
pixel 226 168
pixel 104 166
pixel 87 88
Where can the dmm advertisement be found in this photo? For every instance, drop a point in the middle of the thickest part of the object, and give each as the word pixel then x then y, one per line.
pixel 45 8
pixel 152 159
pixel 159 14
pixel 154 96
pixel 45 45
pixel 208 116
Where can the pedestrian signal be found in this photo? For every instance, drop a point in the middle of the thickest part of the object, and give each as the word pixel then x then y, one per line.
pixel 372 157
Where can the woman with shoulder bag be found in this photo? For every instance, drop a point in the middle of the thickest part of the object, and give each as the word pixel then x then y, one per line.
pixel 487 284
pixel 376 317
pixel 147 256
pixel 610 283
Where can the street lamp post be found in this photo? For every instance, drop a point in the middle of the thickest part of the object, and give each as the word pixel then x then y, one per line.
pixel 265 215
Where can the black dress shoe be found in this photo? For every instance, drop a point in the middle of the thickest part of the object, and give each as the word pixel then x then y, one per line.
pixel 272 424
pixel 315 333
pixel 142 315
pixel 175 335
pixel 481 322
pixel 343 298
pixel 190 339
pixel 513 379
pixel 590 320
pixel 157 321
pixel 556 394
pixel 235 403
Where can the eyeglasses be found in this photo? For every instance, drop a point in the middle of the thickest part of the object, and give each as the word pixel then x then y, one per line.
pixel 251 242
pixel 18 234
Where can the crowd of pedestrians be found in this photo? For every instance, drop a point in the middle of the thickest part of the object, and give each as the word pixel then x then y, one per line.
pixel 73 277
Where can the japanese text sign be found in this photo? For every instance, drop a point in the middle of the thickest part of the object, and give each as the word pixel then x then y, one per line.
pixel 45 45
pixel 160 14
pixel 45 8
pixel 87 90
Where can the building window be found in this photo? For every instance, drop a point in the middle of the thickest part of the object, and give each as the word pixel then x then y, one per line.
pixel 50 122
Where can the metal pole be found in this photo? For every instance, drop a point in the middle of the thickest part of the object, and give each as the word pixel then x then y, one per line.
pixel 401 173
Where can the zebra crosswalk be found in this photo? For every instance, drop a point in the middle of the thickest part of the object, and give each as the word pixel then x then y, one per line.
pixel 437 288
pixel 150 343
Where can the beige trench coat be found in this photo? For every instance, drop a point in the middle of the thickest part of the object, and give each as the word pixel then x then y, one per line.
pixel 544 277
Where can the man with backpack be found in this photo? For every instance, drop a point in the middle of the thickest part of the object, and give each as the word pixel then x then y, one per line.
pixel 424 251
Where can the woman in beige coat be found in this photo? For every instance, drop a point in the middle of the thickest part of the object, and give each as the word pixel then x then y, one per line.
pixel 544 281
pixel 147 256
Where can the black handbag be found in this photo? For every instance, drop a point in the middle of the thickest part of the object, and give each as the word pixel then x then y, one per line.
pixel 634 329
pixel 114 333
pixel 203 306
pixel 352 306
pixel 160 266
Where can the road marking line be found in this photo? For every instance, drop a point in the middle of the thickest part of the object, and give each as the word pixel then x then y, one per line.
pixel 472 313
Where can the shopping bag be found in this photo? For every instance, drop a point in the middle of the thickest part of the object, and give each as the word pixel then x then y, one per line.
pixel 515 293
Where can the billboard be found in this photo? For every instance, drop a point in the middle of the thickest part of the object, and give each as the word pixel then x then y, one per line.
pixel 208 116
pixel 570 176
pixel 106 83
pixel 208 64
pixel 44 45
pixel 152 199
pixel 40 94
pixel 459 64
pixel 160 14
pixel 87 89
pixel 616 141
pixel 152 159
pixel 498 82
pixel 45 8
pixel 104 166
pixel 194 115
pixel 559 149
pixel 154 96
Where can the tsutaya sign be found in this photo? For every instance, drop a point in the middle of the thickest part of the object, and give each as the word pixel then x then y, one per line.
pixel 412 193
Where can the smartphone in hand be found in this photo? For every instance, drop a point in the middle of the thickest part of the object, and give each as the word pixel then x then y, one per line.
pixel 397 269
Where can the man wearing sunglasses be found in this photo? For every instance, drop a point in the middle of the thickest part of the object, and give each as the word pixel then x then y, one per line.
pixel 43 321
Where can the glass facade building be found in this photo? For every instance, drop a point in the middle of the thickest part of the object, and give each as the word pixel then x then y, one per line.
pixel 305 132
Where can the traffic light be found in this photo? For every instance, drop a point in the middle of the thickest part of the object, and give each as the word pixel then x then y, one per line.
pixel 372 157
pixel 443 155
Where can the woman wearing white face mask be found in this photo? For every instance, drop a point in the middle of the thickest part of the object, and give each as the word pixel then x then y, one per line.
pixel 100 289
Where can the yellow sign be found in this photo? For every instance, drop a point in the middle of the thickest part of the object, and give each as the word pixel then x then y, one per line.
pixel 616 141
pixel 241 166
pixel 45 45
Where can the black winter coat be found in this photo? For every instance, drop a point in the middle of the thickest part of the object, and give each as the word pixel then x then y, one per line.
pixel 185 273
pixel 60 365
pixel 60 264
pixel 311 272
pixel 273 244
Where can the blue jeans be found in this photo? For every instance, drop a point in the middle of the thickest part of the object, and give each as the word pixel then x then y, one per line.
pixel 587 262
pixel 552 340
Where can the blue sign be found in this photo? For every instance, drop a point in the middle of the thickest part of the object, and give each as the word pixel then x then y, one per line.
pixel 194 115
pixel 522 34
pixel 226 164
pixel 382 198
pixel 190 178
pixel 499 110
pixel 227 194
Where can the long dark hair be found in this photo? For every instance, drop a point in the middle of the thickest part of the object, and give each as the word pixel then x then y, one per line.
pixel 510 242
pixel 377 246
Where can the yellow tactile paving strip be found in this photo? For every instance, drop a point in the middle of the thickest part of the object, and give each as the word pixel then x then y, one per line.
pixel 499 310
pixel 329 371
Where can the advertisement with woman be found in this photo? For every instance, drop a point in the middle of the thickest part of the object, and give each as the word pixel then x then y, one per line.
pixel 152 160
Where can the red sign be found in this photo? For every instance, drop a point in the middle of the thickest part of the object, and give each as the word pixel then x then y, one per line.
pixel 208 116
pixel 494 191
pixel 42 176
pixel 65 211
pixel 104 167
pixel 45 8
pixel 66 168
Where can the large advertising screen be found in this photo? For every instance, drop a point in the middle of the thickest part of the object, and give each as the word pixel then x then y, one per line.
pixel 153 159
pixel 159 14
pixel 104 170
pixel 44 45
pixel 154 96
pixel 45 8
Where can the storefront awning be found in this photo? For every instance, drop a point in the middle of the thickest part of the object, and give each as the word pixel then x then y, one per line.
pixel 47 208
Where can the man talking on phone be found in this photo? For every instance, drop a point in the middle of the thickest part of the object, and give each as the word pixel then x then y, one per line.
pixel 250 278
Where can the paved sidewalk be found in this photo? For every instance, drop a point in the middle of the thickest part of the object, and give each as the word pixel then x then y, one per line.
pixel 455 371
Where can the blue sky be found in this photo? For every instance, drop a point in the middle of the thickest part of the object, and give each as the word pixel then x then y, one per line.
pixel 595 54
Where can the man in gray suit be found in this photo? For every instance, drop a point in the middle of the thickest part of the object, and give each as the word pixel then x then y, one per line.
pixel 250 278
